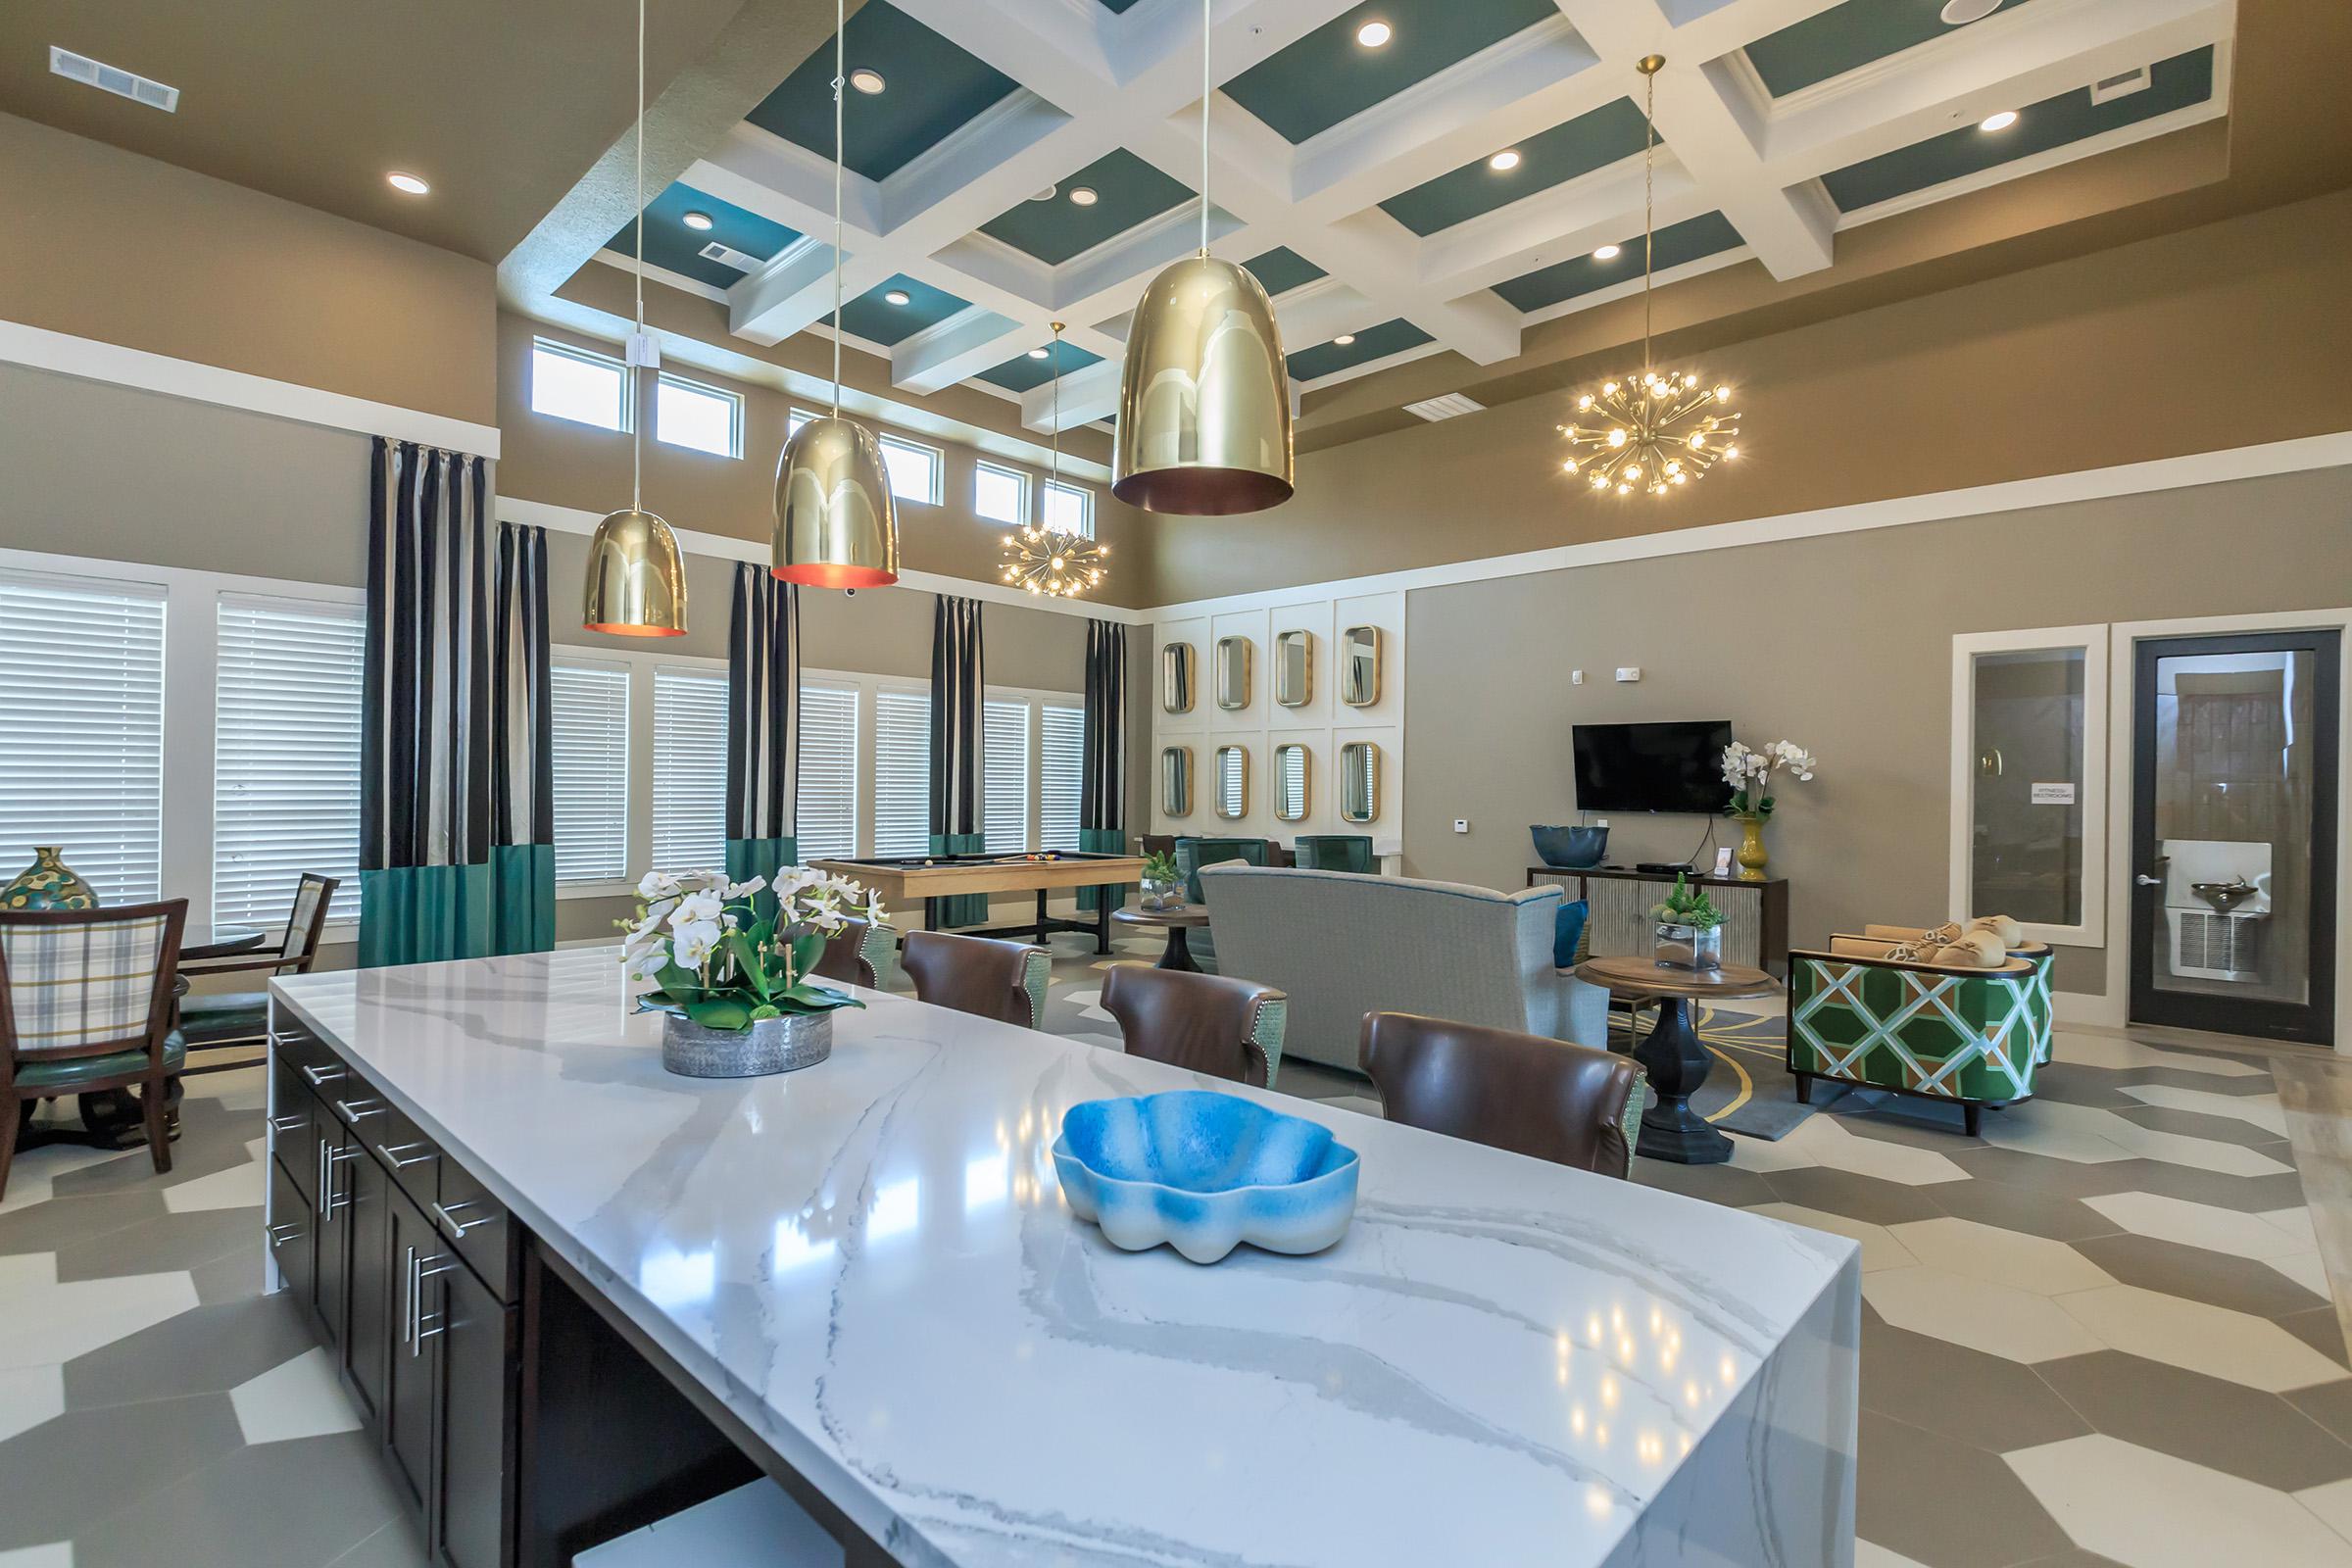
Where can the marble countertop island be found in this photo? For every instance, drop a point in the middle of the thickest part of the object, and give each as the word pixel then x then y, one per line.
pixel 1505 1363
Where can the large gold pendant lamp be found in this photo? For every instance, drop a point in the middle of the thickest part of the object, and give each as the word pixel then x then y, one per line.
pixel 636 578
pixel 1205 395
pixel 837 522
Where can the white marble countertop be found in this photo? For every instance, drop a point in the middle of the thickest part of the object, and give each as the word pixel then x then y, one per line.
pixel 1503 1362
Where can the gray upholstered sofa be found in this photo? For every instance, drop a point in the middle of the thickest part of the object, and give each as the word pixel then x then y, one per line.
pixel 1343 945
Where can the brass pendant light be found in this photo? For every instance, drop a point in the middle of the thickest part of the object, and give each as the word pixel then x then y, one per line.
pixel 636 578
pixel 1204 394
pixel 1041 558
pixel 837 521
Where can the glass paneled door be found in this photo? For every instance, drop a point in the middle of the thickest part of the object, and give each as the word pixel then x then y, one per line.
pixel 2234 824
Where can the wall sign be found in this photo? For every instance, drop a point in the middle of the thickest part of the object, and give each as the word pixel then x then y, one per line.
pixel 2053 795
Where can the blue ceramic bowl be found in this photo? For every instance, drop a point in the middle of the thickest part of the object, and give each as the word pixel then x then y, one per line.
pixel 1571 849
pixel 1204 1172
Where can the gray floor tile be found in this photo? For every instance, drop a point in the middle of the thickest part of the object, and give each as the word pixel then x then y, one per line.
pixel 166 1242
pixel 209 1351
pixel 397 1546
pixel 1986 1401
pixel 299 1505
pixel 1864 1198
pixel 2321 1329
pixel 2214 1129
pixel 2209 1421
pixel 1946 1504
pixel 60 1222
pixel 65 1475
pixel 2213 1278
pixel 2328 1404
pixel 232 1276
pixel 2021 1208
pixel 1717 1184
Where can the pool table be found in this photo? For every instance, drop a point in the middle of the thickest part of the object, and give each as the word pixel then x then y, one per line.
pixel 902 880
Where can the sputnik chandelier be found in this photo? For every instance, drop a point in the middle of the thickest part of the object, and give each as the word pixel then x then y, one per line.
pixel 1654 431
pixel 1049 560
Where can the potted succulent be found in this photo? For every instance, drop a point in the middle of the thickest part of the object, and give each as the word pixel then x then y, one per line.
pixel 1749 774
pixel 734 980
pixel 1690 930
pixel 1164 889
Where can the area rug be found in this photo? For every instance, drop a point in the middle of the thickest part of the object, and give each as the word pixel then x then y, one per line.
pixel 1748 1091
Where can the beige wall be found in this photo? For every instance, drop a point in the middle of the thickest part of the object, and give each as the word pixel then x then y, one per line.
pixel 106 244
pixel 571 464
pixel 2228 335
pixel 1843 644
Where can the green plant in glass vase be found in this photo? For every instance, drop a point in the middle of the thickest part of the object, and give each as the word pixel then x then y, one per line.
pixel 1162 884
pixel 717 960
pixel 1689 932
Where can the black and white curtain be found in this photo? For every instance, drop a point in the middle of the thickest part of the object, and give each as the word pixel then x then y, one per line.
pixel 1102 767
pixel 457 789
pixel 763 731
pixel 958 698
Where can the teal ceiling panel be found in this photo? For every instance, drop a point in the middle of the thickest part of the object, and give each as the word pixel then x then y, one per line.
pixel 930 89
pixel 1687 241
pixel 1830 44
pixel 1372 343
pixel 1021 372
pixel 1282 270
pixel 670 244
pixel 1550 158
pixel 872 317
pixel 1327 77
pixel 1120 6
pixel 2071 117
pixel 1128 191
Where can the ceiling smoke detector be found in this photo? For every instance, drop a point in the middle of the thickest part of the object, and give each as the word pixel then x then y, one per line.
pixel 1452 405
pixel 113 78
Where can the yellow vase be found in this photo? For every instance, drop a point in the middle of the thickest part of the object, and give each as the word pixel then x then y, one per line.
pixel 1751 849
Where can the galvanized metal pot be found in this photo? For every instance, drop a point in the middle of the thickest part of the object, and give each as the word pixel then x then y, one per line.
pixel 787 1044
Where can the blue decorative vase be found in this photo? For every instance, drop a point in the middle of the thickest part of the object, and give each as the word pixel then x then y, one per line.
pixel 1204 1172
pixel 48 883
pixel 1570 849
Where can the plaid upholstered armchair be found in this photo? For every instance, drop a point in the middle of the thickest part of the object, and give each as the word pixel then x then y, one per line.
pixel 85 1004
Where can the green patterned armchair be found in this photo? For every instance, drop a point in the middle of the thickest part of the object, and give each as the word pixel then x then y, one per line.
pixel 1964 1034
pixel 2038 954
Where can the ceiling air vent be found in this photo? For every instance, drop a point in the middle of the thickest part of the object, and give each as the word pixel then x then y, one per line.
pixel 2121 85
pixel 1449 407
pixel 729 256
pixel 113 78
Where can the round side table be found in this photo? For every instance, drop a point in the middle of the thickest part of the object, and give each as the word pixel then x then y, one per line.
pixel 1176 922
pixel 1676 1063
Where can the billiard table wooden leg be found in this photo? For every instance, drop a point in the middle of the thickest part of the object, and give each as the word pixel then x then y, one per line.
pixel 1041 917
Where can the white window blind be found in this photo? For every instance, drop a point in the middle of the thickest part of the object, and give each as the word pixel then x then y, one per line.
pixel 827 802
pixel 901 772
pixel 1060 776
pixel 82 701
pixel 690 770
pixel 285 757
pixel 590 709
pixel 1005 777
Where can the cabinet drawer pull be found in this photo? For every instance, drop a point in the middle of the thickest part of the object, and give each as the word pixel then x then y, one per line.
pixel 413 1329
pixel 448 1216
pixel 321 1077
pixel 400 1156
pixel 288 1122
pixel 359 1110
pixel 290 1230
pixel 330 1158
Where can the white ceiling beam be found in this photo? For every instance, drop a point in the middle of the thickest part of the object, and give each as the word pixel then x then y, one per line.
pixel 1087 394
pixel 1574 219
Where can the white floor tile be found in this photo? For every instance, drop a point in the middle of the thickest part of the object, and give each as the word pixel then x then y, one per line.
pixel 2260 1110
pixel 2296 1225
pixel 299 1398
pixel 29 1397
pixel 1880 1247
pixel 2334 1505
pixel 2115 1051
pixel 52 1323
pixel 1870 1555
pixel 56 1554
pixel 2306 1270
pixel 2090 1135
pixel 2212 1340
pixel 2215 1230
pixel 2150 1510
pixel 2032 1263
pixel 1827 1143
pixel 1997 1319
pixel 238 1186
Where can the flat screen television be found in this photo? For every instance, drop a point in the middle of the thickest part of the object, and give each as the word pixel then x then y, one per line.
pixel 1652 767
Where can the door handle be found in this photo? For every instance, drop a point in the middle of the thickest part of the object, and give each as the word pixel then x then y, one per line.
pixel 415 1330
pixel 2147 881
pixel 321 1077
pixel 330 1160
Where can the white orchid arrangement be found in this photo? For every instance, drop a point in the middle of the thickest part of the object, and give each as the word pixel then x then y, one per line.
pixel 1748 772
pixel 718 960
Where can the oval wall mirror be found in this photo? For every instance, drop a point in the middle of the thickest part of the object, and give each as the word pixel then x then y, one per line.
pixel 1176 781
pixel 1295 669
pixel 1291 783
pixel 1233 673
pixel 1233 783
pixel 1176 678
pixel 1360 781
pixel 1359 666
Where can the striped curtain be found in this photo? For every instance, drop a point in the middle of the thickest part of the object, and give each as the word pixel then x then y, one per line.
pixel 763 731
pixel 958 696
pixel 457 793
pixel 1102 770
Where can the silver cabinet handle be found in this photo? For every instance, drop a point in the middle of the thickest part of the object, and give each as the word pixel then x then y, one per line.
pixel 359 1110
pixel 321 1077
pixel 290 1229
pixel 288 1122
pixel 400 1157
pixel 414 1328
pixel 460 1227
pixel 331 1158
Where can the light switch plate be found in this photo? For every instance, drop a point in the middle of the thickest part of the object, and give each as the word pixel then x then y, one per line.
pixel 1461 824
pixel 1628 672
pixel 1576 677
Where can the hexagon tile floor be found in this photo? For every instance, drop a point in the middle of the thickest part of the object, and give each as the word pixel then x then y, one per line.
pixel 2101 1334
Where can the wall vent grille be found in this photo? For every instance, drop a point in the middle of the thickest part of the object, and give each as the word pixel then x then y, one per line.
pixel 729 256
pixel 113 78
pixel 1452 405
pixel 2121 85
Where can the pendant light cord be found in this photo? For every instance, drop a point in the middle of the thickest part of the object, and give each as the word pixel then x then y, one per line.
pixel 1057 405
pixel 1204 92
pixel 840 75
pixel 637 425
pixel 1649 244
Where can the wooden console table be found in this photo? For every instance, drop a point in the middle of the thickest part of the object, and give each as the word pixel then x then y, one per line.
pixel 1755 915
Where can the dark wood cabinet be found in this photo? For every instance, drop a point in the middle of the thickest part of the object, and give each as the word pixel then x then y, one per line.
pixel 413 1251
pixel 293 1234
pixel 477 1348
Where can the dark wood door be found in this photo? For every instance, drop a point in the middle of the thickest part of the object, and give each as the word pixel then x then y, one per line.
pixel 368 1341
pixel 413 1249
pixel 331 1295
pixel 479 1347
pixel 2235 759
pixel 293 1235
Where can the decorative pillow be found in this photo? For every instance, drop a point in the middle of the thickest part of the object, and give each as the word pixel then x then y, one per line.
pixel 2009 933
pixel 1568 934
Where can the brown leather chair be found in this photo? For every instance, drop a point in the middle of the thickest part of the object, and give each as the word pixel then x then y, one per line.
pixel 845 958
pixel 979 976
pixel 1570 1104
pixel 1207 1023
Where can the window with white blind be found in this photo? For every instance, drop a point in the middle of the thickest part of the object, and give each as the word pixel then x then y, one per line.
pixel 1005 777
pixel 590 709
pixel 82 701
pixel 690 770
pixel 287 688
pixel 901 772
pixel 1060 771
pixel 827 799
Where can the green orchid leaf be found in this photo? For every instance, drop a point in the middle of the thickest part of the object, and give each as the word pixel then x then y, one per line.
pixel 748 957
pixel 765 1012
pixel 815 999
pixel 807 949
pixel 679 982
pixel 723 1014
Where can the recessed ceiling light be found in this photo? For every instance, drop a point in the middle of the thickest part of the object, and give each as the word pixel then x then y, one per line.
pixel 1608 253
pixel 1037 353
pixel 407 182
pixel 1504 162
pixel 1082 196
pixel 1343 339
pixel 699 223
pixel 2000 122
pixel 868 81
pixel 897 296
pixel 1961 12
pixel 1374 34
